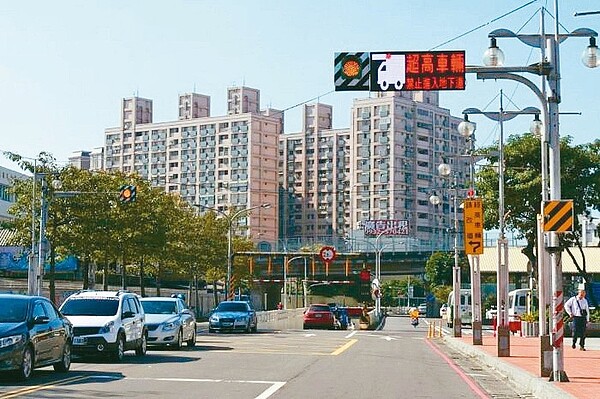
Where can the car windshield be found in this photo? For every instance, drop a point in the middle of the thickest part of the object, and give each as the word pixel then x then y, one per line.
pixel 232 307
pixel 90 307
pixel 13 310
pixel 159 307
pixel 320 308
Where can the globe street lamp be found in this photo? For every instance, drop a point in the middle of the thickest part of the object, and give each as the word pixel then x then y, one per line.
pixel 502 279
pixel 549 69
pixel 445 170
pixel 230 218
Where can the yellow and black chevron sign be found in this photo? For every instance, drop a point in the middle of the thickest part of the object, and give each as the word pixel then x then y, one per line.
pixel 558 215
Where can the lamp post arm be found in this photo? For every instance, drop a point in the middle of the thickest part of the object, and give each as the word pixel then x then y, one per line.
pixel 511 76
pixel 536 69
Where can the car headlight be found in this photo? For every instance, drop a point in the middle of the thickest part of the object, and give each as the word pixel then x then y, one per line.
pixel 108 327
pixel 168 326
pixel 214 318
pixel 12 340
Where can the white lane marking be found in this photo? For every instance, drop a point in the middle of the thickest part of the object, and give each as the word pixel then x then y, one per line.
pixel 274 385
pixel 310 335
pixel 351 334
pixel 271 390
pixel 388 338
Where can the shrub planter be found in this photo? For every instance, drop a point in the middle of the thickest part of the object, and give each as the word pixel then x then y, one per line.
pixel 530 328
pixel 593 330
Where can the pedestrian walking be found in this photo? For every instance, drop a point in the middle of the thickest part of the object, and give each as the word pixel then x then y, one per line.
pixel 579 313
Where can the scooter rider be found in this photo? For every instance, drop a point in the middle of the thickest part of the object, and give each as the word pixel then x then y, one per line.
pixel 414 316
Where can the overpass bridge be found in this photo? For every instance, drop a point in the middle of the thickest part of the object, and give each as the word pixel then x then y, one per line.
pixel 270 265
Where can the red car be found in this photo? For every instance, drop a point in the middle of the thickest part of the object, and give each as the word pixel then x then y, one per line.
pixel 319 316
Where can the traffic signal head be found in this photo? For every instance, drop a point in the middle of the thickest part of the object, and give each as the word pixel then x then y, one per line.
pixel 127 193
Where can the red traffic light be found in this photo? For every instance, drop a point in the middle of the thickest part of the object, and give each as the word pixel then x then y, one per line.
pixel 365 275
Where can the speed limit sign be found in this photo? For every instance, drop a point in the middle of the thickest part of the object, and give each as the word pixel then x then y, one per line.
pixel 327 254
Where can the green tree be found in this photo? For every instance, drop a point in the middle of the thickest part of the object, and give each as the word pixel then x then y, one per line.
pixel 580 181
pixel 438 268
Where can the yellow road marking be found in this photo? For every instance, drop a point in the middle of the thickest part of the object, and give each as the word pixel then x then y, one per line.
pixel 35 388
pixel 344 347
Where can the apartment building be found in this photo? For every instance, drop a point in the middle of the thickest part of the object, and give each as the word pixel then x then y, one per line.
pixel 221 162
pixel 7 177
pixel 383 167
pixel 398 140
pixel 314 167
pixel 81 159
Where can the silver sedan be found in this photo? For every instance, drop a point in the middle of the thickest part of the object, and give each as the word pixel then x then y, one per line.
pixel 169 322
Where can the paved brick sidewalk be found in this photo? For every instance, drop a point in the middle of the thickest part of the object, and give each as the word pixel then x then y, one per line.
pixel 581 367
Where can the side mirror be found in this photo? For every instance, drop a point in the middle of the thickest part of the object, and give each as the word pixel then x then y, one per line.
pixel 127 315
pixel 41 320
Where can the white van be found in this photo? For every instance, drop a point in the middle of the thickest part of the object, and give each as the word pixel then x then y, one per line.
pixel 517 303
pixel 466 310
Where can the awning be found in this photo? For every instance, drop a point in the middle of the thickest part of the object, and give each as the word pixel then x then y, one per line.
pixel 517 262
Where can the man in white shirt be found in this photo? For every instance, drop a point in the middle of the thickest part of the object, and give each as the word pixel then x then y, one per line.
pixel 579 312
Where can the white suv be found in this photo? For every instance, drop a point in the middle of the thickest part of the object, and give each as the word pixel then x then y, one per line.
pixel 106 322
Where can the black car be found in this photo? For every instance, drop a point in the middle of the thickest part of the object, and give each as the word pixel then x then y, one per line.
pixel 33 333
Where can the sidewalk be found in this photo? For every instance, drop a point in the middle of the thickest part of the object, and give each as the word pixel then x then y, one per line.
pixel 523 365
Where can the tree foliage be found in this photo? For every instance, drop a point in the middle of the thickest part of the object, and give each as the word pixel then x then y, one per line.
pixel 156 235
pixel 580 182
pixel 438 268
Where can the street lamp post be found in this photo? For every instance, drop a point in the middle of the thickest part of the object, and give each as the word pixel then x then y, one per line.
pixel 549 69
pixel 36 271
pixel 304 293
pixel 467 128
pixel 230 219
pixel 378 250
pixel 445 170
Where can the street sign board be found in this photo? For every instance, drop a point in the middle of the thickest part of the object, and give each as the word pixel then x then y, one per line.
pixel 351 71
pixel 473 226
pixel 418 70
pixel 400 70
pixel 558 215
pixel 388 227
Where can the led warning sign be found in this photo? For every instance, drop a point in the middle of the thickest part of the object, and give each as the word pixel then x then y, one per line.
pixel 400 70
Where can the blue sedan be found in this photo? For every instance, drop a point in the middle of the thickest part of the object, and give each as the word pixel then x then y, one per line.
pixel 33 333
pixel 232 316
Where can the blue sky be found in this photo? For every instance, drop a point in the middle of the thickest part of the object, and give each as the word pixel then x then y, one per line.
pixel 65 65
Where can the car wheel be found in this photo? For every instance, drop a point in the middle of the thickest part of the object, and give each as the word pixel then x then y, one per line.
pixel 179 343
pixel 192 341
pixel 143 347
pixel 248 328
pixel 26 368
pixel 65 362
pixel 255 328
pixel 120 349
pixel 211 330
